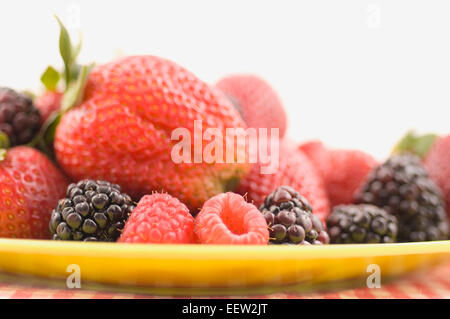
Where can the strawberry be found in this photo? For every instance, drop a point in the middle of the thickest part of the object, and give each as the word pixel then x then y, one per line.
pixel 437 163
pixel 435 152
pixel 294 170
pixel 122 130
pixel 139 122
pixel 30 188
pixel 256 100
pixel 48 103
pixel 343 171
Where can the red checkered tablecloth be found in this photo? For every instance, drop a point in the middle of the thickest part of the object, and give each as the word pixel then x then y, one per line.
pixel 433 283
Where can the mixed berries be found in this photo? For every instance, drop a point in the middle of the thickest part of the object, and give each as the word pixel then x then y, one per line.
pixel 112 139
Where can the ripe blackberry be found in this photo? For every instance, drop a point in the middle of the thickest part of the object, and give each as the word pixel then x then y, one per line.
pixel 19 118
pixel 361 224
pixel 290 219
pixel 91 211
pixel 402 187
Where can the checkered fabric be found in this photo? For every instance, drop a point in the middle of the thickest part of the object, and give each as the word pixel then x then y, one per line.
pixel 433 284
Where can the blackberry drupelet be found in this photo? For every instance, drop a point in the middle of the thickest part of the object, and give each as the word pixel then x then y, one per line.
pixel 402 187
pixel 361 224
pixel 19 118
pixel 290 219
pixel 91 211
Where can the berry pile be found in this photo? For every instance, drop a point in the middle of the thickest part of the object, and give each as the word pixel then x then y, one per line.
pixel 115 125
pixel 19 118
pixel 290 219
pixel 91 211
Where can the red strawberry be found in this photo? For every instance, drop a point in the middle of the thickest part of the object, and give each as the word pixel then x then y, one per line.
pixel 294 170
pixel 343 171
pixel 435 151
pixel 48 103
pixel 122 130
pixel 437 162
pixel 30 188
pixel 256 100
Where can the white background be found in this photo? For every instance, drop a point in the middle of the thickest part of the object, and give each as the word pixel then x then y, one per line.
pixel 355 74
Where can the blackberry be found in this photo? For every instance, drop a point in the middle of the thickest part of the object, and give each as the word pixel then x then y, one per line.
pixel 19 118
pixel 402 187
pixel 361 224
pixel 290 219
pixel 91 211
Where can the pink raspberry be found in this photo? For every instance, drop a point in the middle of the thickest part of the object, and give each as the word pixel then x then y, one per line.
pixel 159 219
pixel 228 219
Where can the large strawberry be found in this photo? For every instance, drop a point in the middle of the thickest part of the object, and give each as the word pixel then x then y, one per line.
pixel 122 130
pixel 435 152
pixel 343 171
pixel 256 100
pixel 30 187
pixel 294 170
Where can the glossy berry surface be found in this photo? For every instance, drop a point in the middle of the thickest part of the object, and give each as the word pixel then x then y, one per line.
pixel 91 211
pixel 361 224
pixel 290 219
pixel 402 187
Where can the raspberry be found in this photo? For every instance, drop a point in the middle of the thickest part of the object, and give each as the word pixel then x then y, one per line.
pixel 228 219
pixel 160 219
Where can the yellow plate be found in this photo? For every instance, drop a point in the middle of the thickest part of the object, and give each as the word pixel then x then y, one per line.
pixel 214 267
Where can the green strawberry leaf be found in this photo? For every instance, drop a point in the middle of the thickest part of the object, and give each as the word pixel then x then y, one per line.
pixel 72 97
pixel 65 49
pixel 75 76
pixel 75 92
pixel 50 78
pixel 416 144
pixel 77 49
